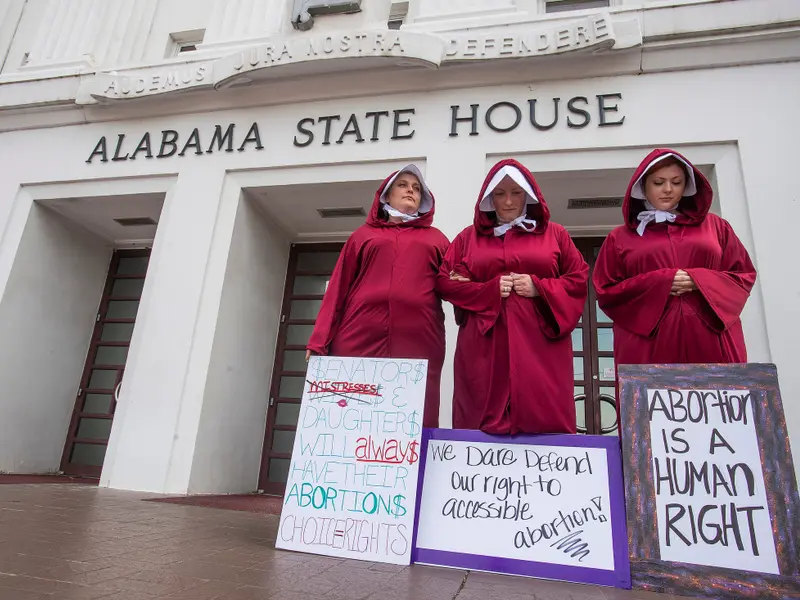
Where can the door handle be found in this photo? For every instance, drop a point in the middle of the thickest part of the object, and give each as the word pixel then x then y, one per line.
pixel 116 392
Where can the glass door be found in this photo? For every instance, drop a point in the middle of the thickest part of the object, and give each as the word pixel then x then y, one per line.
pixel 307 277
pixel 87 437
pixel 593 358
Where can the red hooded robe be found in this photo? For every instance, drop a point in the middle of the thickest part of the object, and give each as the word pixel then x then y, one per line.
pixel 513 362
pixel 633 277
pixel 381 300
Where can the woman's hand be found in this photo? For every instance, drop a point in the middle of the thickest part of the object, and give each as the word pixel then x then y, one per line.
pixel 523 286
pixel 308 354
pixel 456 277
pixel 682 283
pixel 506 285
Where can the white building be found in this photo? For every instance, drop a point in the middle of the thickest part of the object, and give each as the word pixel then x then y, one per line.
pixel 225 147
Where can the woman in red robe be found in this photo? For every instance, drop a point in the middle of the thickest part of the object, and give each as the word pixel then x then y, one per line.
pixel 381 300
pixel 675 278
pixel 519 286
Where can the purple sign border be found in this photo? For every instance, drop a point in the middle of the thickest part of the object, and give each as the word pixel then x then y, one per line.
pixel 621 575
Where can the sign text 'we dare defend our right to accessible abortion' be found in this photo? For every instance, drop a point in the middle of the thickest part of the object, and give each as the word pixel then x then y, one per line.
pixel 352 481
pixel 538 505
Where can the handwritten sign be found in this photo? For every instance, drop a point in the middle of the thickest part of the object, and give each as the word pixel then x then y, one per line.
pixel 352 481
pixel 710 483
pixel 546 506
pixel 712 505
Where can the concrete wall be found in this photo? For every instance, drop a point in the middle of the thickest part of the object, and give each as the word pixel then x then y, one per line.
pixel 173 16
pixel 137 32
pixel 47 314
pixel 161 397
pixel 23 29
pixel 233 418
pixel 10 18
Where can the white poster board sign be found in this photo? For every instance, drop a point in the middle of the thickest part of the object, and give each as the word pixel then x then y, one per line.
pixel 544 506
pixel 710 481
pixel 710 492
pixel 352 483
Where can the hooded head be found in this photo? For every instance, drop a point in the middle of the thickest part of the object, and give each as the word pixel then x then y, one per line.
pixel 660 175
pixel 403 190
pixel 502 177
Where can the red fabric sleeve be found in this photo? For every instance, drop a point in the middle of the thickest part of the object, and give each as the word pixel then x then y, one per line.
pixel 726 290
pixel 634 303
pixel 482 299
pixel 344 273
pixel 561 299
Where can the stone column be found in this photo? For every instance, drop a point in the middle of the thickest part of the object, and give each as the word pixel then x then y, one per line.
pixel 155 427
pixel 234 21
pixel 10 15
pixel 93 33
pixel 126 25
pixel 439 10
pixel 65 34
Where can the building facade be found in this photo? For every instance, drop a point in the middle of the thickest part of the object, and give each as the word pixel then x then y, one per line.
pixel 178 176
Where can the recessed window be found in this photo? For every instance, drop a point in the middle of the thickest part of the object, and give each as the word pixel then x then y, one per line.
pixel 397 14
pixel 555 6
pixel 182 42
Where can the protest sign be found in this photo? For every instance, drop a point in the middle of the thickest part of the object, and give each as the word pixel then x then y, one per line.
pixel 352 482
pixel 712 498
pixel 546 506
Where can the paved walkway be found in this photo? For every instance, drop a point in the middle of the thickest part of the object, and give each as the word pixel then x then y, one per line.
pixel 79 542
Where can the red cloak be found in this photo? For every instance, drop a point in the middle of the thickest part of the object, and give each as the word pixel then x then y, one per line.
pixel 381 300
pixel 513 362
pixel 633 277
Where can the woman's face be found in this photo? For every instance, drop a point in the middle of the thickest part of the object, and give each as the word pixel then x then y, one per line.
pixel 508 199
pixel 664 186
pixel 405 194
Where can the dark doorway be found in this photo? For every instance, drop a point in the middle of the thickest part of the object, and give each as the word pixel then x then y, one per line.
pixel 89 429
pixel 593 358
pixel 307 276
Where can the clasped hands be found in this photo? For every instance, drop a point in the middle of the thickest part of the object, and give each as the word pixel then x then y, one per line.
pixel 682 283
pixel 521 285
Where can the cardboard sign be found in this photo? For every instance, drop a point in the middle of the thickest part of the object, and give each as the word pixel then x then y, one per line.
pixel 546 506
pixel 712 497
pixel 351 489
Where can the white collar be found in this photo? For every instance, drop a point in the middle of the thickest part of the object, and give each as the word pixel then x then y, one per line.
pixel 520 221
pixel 652 214
pixel 393 212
